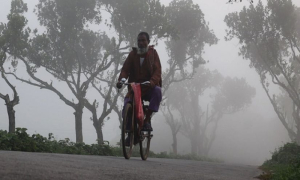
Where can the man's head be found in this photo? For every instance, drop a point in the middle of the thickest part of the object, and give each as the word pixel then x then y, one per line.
pixel 143 40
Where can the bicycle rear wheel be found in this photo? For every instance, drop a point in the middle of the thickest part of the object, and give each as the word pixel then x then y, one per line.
pixel 127 131
pixel 145 138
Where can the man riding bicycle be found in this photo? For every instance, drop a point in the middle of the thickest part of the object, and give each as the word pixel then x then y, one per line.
pixel 143 64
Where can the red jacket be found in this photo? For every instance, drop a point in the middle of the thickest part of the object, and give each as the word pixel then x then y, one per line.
pixel 149 71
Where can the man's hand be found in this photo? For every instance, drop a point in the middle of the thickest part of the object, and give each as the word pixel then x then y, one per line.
pixel 119 85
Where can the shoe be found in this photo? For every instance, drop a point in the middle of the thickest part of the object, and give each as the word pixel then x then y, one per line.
pixel 127 141
pixel 147 127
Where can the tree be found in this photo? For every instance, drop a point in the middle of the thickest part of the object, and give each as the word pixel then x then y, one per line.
pixel 104 84
pixel 269 38
pixel 231 95
pixel 184 114
pixel 185 50
pixel 66 50
pixel 10 104
pixel 188 110
pixel 16 22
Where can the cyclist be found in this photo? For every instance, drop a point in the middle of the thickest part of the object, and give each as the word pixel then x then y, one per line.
pixel 143 64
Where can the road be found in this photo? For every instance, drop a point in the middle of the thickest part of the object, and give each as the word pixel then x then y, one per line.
pixel 44 166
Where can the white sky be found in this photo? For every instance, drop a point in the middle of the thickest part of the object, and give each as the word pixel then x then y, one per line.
pixel 41 111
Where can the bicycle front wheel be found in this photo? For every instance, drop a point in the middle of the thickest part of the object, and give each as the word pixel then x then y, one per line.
pixel 127 131
pixel 145 138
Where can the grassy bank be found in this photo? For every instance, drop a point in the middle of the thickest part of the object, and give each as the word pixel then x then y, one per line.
pixel 22 141
pixel 284 164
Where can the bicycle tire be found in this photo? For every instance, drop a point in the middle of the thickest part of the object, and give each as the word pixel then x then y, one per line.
pixel 128 132
pixel 145 138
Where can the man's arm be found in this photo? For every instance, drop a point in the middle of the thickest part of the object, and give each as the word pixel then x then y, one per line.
pixel 156 76
pixel 125 71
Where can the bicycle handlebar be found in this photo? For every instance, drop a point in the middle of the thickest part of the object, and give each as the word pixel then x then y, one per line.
pixel 123 82
pixel 144 83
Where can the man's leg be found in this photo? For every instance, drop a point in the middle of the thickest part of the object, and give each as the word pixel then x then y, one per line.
pixel 126 100
pixel 154 96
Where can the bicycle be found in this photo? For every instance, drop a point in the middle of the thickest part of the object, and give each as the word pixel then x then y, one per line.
pixel 131 130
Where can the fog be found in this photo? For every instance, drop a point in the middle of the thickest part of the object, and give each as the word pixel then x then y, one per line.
pixel 246 137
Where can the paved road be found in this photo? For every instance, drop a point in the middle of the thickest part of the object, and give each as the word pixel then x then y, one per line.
pixel 40 166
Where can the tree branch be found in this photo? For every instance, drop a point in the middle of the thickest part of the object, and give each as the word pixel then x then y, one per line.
pixel 44 84
pixel 275 107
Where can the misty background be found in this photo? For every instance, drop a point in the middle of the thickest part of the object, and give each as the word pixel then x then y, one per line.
pixel 247 136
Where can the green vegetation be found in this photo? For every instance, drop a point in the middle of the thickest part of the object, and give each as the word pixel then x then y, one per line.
pixel 284 165
pixel 22 141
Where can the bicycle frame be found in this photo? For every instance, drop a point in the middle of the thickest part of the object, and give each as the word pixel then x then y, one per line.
pixel 142 136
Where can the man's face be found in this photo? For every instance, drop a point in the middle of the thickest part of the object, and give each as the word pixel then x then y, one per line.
pixel 142 41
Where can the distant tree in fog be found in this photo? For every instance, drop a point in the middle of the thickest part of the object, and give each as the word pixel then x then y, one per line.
pixel 269 37
pixel 182 110
pixel 184 49
pixel 66 50
pixel 233 95
pixel 227 96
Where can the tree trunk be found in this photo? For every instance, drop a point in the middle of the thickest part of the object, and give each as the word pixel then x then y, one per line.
pixel 193 146
pixel 174 145
pixel 99 134
pixel 11 117
pixel 10 104
pixel 296 115
pixel 298 136
pixel 99 131
pixel 201 144
pixel 78 123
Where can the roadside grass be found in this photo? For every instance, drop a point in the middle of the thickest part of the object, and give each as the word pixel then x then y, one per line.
pixel 22 141
pixel 284 164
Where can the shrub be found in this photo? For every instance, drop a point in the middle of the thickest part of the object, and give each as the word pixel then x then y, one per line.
pixel 285 163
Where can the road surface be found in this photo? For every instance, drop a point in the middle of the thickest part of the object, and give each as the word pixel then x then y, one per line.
pixel 44 166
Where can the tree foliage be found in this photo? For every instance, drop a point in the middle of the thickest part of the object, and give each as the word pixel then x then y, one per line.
pixel 186 48
pixel 129 17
